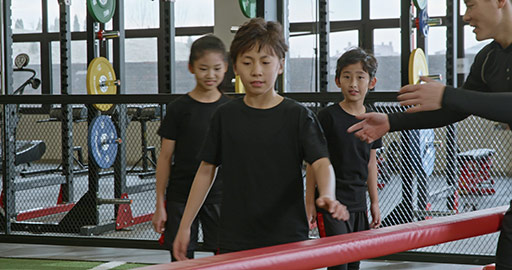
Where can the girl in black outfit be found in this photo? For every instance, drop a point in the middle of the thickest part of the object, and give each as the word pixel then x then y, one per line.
pixel 182 131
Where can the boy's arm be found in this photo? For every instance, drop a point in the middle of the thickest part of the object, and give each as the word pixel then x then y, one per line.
pixel 325 181
pixel 310 195
pixel 202 183
pixel 163 171
pixel 372 190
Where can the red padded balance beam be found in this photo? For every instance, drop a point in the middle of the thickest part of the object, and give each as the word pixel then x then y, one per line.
pixel 341 249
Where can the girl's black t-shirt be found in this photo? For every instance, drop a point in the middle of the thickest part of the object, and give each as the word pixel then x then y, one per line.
pixel 186 122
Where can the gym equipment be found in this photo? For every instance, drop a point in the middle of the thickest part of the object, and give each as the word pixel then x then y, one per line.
pixel 102 141
pixel 101 80
pixel 101 10
pixel 79 114
pixel 423 22
pixel 104 35
pixel 418 150
pixel 143 115
pixel 248 8
pixel 425 137
pixel 418 67
pixel 420 4
pixel 21 61
pixel 239 86
pixel 475 178
pixel 345 248
pixel 27 151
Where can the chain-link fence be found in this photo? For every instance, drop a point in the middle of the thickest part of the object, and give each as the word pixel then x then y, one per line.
pixel 57 190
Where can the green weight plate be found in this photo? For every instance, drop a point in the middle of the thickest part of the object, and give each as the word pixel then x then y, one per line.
pixel 248 8
pixel 101 10
pixel 420 4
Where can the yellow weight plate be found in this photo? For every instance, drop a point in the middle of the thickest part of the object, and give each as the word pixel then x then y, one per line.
pixel 417 66
pixel 239 87
pixel 100 80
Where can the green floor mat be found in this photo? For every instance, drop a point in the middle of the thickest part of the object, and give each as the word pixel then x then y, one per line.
pixel 35 264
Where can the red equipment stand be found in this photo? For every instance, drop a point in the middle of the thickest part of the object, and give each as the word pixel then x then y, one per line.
pixel 475 177
pixel 60 207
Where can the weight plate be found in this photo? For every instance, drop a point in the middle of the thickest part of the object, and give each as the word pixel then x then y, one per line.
pixel 423 151
pixel 21 60
pixel 423 23
pixel 102 141
pixel 417 66
pixel 248 8
pixel 101 10
pixel 428 150
pixel 100 72
pixel 420 4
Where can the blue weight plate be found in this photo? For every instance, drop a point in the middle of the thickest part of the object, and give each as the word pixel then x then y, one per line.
pixel 423 23
pixel 102 141
pixel 428 150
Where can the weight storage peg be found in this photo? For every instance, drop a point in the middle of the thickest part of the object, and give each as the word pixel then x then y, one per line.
pixel 103 35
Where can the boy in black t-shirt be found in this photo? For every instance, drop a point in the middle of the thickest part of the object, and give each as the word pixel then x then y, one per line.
pixel 183 130
pixel 261 141
pixel 354 161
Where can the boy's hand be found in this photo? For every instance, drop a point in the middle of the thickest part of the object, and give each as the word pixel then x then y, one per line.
pixel 375 211
pixel 311 214
pixel 423 97
pixel 180 244
pixel 159 219
pixel 373 126
pixel 334 207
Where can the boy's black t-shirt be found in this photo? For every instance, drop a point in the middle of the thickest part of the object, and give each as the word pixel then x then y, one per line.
pixel 349 156
pixel 186 122
pixel 261 152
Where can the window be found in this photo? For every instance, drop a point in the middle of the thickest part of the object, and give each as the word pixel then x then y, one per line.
pixel 344 10
pixel 340 42
pixel 141 66
pixel 78 66
pixel 26 16
pixel 436 8
pixel 384 9
pixel 194 13
pixel 387 51
pixel 302 74
pixel 436 55
pixel 78 15
pixel 302 10
pixel 142 14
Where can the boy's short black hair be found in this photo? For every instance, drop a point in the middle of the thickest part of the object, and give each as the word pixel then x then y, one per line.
pixel 357 55
pixel 208 43
pixel 258 32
